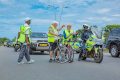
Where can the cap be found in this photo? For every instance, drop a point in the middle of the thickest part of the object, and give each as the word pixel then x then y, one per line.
pixel 27 19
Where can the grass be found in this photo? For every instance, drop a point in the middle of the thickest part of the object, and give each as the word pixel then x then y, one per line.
pixel 1 44
pixel 106 50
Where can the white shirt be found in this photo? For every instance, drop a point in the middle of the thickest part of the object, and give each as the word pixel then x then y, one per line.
pixel 27 31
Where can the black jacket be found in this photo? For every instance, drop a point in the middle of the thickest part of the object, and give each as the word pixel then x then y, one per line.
pixel 85 35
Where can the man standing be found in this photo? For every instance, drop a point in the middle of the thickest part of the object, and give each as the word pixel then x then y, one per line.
pixel 24 39
pixel 52 37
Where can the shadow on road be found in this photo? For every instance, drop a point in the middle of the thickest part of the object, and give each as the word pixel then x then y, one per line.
pixel 39 53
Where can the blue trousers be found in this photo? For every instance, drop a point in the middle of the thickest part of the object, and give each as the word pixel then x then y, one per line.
pixel 84 48
pixel 24 51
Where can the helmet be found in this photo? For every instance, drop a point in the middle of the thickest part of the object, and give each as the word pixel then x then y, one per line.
pixel 85 27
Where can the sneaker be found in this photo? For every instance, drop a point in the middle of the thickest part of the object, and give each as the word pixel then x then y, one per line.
pixel 21 62
pixel 50 60
pixel 62 62
pixel 30 62
pixel 66 61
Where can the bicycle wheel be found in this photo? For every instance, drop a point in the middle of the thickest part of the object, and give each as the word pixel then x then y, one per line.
pixel 62 53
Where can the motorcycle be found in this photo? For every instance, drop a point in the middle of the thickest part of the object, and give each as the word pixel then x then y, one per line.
pixel 93 48
pixel 76 45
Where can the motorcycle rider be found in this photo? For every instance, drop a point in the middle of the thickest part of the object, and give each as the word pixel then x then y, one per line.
pixel 85 35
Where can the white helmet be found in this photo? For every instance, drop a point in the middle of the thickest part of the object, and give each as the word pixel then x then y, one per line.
pixel 85 26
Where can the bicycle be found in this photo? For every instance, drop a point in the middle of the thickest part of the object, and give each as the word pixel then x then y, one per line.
pixel 70 45
pixel 63 51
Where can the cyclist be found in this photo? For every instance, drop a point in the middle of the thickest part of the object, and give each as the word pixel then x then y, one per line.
pixel 68 35
pixel 52 37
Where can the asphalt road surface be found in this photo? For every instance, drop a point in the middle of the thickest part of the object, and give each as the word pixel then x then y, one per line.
pixel 109 69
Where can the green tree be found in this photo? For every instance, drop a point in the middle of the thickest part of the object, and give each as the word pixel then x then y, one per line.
pixel 2 40
pixel 108 28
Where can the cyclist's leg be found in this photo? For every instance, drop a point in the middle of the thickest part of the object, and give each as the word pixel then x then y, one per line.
pixel 55 51
pixel 51 51
pixel 71 52
pixel 57 55
pixel 68 46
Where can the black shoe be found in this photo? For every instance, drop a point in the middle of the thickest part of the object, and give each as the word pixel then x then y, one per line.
pixel 58 60
pixel 70 61
pixel 50 60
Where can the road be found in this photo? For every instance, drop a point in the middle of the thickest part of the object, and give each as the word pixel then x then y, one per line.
pixel 109 69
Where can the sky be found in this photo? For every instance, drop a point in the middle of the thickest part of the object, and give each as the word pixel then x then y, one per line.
pixel 44 12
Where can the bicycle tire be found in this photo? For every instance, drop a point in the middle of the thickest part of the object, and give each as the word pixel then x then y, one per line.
pixel 62 53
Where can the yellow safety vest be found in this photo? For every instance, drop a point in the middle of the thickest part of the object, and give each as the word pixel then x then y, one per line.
pixel 23 29
pixel 68 34
pixel 51 38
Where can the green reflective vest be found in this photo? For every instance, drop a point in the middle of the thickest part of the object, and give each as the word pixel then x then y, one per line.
pixel 23 30
pixel 68 34
pixel 51 38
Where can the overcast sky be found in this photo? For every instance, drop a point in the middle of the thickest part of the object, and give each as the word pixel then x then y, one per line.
pixel 42 13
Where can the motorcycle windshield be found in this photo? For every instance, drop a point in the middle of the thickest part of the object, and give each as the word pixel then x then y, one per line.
pixel 97 32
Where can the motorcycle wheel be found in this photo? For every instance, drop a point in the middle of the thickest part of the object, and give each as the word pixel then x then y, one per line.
pixel 81 57
pixel 99 56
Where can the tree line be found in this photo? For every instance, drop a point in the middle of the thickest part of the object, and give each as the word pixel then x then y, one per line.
pixel 4 39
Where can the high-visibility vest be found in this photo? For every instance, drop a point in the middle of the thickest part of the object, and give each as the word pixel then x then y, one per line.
pixel 68 34
pixel 51 38
pixel 90 42
pixel 23 30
